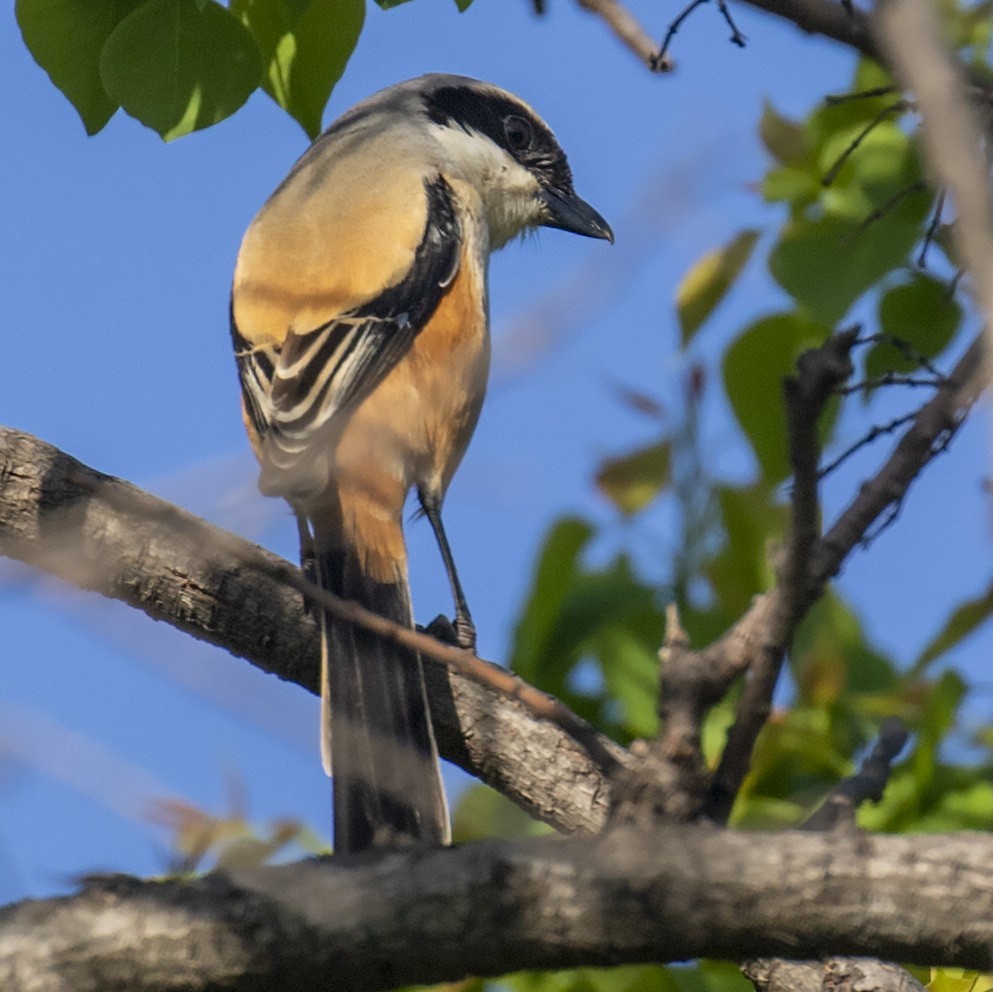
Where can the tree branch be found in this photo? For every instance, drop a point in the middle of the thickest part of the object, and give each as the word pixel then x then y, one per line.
pixel 104 534
pixel 835 973
pixel 930 433
pixel 758 642
pixel 827 18
pixel 366 923
pixel 629 32
pixel 866 785
pixel 952 133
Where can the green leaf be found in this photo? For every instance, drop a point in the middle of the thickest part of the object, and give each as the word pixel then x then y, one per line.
pixel 595 602
pixel 963 621
pixel 631 672
pixel 390 4
pixel 66 38
pixel 305 47
pixel 828 263
pixel 754 368
pixel 787 184
pixel 958 980
pixel 919 312
pixel 557 569
pixel 708 279
pixel 741 569
pixel 936 718
pixel 870 174
pixel 482 813
pixel 463 5
pixel 632 481
pixel 574 625
pixel 785 139
pixel 831 655
pixel 870 75
pixel 178 69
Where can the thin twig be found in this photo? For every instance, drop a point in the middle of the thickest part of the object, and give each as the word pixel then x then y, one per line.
pixel 872 435
pixel 932 229
pixel 676 24
pixel 929 434
pixel 887 111
pixel 541 704
pixel 908 350
pixel 833 99
pixel 882 210
pixel 737 38
pixel 892 379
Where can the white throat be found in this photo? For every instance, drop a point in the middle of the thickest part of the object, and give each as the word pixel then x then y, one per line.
pixel 507 190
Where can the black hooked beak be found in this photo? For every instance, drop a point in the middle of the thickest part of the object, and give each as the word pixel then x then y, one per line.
pixel 570 213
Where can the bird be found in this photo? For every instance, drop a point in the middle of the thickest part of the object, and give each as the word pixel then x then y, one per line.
pixel 360 324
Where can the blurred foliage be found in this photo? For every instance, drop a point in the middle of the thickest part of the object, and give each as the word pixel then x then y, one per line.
pixel 201 841
pixel 857 215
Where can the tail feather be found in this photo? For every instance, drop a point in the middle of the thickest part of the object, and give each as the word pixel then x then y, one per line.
pixel 376 727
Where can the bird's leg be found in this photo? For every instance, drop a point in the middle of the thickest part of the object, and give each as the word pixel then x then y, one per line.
pixel 308 556
pixel 465 629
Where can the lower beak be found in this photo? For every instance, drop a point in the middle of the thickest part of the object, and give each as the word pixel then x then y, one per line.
pixel 570 213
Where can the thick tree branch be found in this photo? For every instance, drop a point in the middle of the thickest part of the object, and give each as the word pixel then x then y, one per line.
pixel 104 534
pixel 489 908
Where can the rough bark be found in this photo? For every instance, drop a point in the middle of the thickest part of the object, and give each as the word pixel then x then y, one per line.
pixel 102 533
pixel 368 923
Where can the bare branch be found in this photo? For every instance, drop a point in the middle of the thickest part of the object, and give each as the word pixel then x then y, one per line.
pixel 760 639
pixel 628 896
pixel 827 18
pixel 867 785
pixel 104 534
pixel 737 38
pixel 932 229
pixel 629 32
pixel 871 435
pixel 668 779
pixel 932 428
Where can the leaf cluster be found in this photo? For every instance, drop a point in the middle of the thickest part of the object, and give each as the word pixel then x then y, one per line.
pixel 181 65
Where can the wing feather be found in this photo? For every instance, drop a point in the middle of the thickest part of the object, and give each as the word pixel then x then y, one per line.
pixel 298 395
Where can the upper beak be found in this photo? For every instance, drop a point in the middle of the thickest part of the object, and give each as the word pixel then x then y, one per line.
pixel 570 213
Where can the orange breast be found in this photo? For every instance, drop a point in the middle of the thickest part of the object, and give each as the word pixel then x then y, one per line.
pixel 413 429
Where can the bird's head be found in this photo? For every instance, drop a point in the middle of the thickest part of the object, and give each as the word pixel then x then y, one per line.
pixel 508 154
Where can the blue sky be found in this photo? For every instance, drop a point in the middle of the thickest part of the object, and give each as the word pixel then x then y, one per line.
pixel 117 254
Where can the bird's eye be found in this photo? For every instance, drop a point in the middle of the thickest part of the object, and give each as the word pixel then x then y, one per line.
pixel 518 132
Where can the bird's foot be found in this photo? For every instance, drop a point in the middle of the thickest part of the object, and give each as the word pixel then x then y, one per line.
pixel 459 633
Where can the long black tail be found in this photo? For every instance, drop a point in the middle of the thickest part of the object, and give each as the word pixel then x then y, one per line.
pixel 376 725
